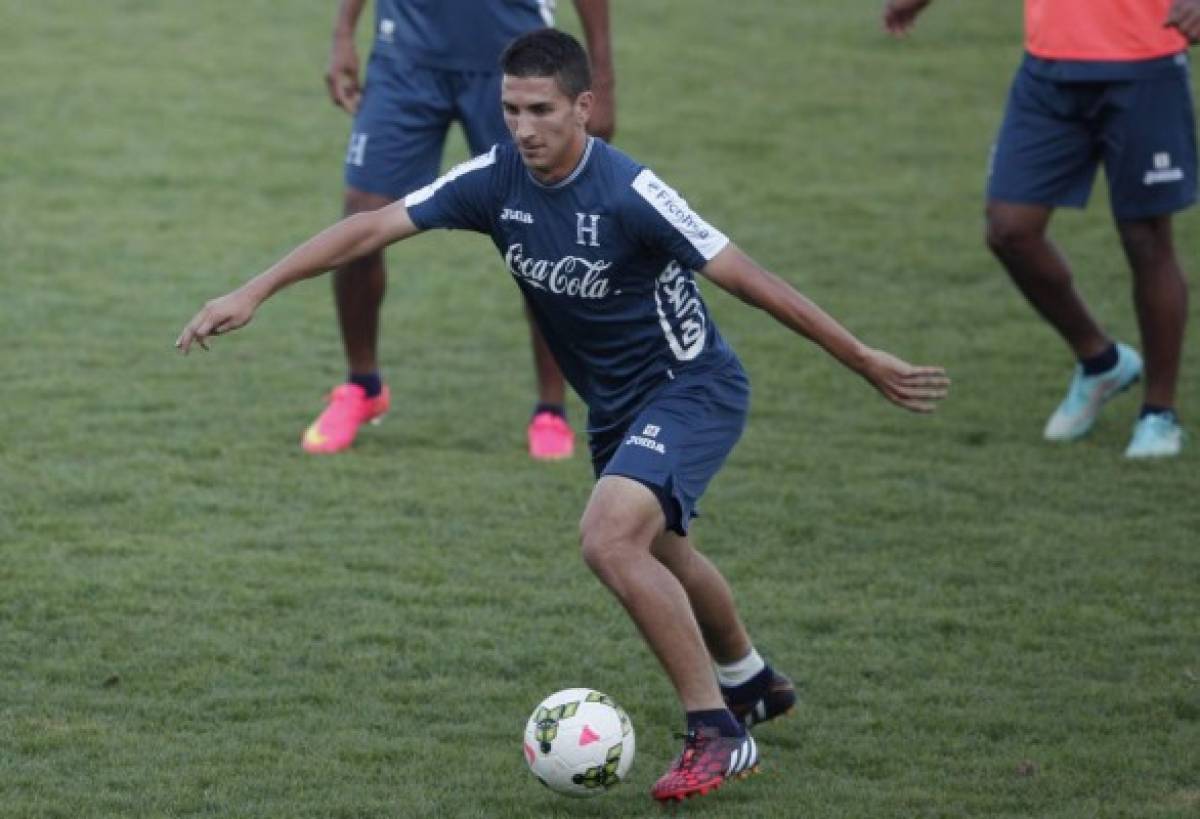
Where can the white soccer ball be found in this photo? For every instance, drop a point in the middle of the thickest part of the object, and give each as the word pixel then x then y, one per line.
pixel 579 742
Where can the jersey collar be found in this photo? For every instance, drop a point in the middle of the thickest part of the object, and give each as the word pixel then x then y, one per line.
pixel 573 175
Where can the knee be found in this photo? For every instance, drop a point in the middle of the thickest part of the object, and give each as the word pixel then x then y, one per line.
pixel 1147 243
pixel 598 548
pixel 1006 234
pixel 606 550
pixel 617 528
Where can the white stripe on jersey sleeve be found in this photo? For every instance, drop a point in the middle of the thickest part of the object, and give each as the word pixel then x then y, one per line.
pixel 707 240
pixel 422 194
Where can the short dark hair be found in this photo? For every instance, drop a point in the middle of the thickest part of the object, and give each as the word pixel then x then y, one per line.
pixel 548 52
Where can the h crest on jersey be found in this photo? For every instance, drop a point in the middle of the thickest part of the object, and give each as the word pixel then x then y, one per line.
pixel 587 229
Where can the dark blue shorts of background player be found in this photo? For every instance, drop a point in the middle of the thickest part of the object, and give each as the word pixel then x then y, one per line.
pixel 407 109
pixel 1060 127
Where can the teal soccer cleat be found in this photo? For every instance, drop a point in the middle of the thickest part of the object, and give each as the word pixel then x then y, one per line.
pixel 1088 393
pixel 1157 435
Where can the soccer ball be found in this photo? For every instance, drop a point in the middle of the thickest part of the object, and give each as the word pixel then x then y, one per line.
pixel 579 742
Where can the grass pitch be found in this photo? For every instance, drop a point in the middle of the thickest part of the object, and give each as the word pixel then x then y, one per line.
pixel 196 619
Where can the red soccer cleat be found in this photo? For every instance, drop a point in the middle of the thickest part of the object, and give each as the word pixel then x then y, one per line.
pixel 707 761
pixel 348 409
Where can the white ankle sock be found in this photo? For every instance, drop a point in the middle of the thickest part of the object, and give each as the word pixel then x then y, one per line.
pixel 741 671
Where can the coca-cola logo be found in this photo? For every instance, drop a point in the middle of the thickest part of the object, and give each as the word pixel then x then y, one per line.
pixel 569 276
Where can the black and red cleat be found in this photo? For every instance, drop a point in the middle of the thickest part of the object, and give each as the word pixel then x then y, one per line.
pixel 708 761
pixel 777 701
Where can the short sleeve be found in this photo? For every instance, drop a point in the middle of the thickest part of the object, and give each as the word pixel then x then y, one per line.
pixel 459 199
pixel 662 218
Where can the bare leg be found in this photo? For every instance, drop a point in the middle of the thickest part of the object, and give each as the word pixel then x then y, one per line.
pixel 358 290
pixel 1160 295
pixel 619 525
pixel 1016 234
pixel 551 388
pixel 709 594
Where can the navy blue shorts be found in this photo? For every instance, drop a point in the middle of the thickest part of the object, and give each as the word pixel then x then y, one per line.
pixel 679 441
pixel 406 110
pixel 1056 133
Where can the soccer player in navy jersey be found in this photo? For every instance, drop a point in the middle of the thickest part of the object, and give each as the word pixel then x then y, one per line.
pixel 605 251
pixel 431 63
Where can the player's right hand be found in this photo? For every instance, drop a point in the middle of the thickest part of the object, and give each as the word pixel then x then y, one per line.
pixel 1184 15
pixel 899 15
pixel 219 316
pixel 917 389
pixel 341 77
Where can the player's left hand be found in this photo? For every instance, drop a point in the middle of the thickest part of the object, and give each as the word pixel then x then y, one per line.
pixel 917 389
pixel 221 315
pixel 341 76
pixel 1184 15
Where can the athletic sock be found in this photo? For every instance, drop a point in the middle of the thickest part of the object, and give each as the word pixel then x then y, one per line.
pixel 1155 409
pixel 740 671
pixel 750 691
pixel 718 718
pixel 746 681
pixel 1101 362
pixel 554 409
pixel 371 383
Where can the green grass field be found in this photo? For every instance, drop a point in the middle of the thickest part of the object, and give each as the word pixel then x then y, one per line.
pixel 198 620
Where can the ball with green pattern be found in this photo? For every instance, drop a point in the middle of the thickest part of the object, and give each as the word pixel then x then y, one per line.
pixel 579 742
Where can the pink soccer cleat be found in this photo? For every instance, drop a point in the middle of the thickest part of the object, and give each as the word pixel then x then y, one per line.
pixel 708 761
pixel 550 437
pixel 347 410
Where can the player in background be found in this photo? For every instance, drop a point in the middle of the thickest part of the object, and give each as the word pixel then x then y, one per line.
pixel 605 251
pixel 431 63
pixel 1101 81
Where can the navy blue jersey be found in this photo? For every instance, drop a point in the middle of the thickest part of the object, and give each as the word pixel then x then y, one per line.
pixel 456 35
pixel 605 259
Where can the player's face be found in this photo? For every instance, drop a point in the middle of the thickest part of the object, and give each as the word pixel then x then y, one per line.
pixel 546 125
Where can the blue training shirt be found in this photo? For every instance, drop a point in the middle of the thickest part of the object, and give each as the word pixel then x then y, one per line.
pixel 605 259
pixel 456 35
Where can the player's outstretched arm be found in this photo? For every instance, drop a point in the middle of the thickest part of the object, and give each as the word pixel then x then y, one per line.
pixel 333 247
pixel 900 15
pixel 915 388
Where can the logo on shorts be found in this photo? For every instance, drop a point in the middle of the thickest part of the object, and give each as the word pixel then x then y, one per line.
pixel 651 430
pixel 648 443
pixel 1163 172
pixel 387 28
